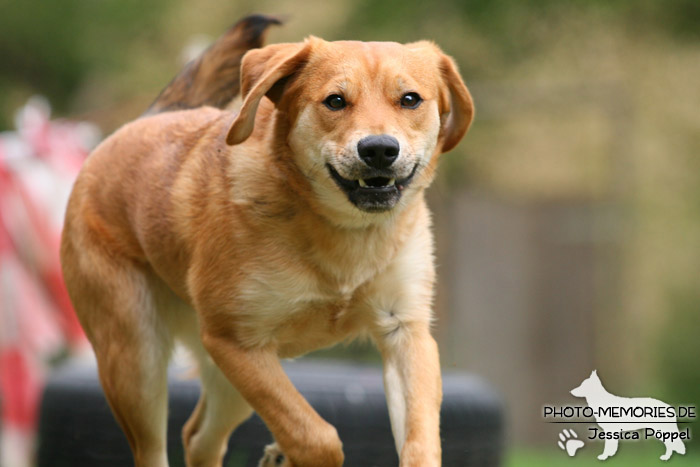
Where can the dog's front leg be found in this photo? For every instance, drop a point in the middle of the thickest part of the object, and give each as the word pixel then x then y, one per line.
pixel 303 436
pixel 414 392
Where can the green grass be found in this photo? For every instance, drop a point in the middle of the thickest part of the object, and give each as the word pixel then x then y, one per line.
pixel 631 454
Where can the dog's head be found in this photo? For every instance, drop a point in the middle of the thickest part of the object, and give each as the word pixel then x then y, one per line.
pixel 589 386
pixel 365 122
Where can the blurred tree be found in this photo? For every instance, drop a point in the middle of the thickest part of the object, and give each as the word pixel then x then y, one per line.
pixel 678 351
pixel 501 20
pixel 48 47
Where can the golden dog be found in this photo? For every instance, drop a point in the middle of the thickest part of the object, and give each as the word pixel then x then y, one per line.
pixel 292 225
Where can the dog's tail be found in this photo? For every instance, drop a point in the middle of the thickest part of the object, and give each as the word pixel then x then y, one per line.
pixel 213 78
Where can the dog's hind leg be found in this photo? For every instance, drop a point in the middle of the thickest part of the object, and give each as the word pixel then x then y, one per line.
pixel 116 308
pixel 678 446
pixel 673 446
pixel 219 411
pixel 135 385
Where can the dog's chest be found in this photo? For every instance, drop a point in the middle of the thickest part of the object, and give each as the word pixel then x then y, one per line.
pixel 297 307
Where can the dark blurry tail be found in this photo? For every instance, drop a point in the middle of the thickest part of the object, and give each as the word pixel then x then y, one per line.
pixel 213 78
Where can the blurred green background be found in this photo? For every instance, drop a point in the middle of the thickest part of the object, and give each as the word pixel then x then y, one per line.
pixel 567 222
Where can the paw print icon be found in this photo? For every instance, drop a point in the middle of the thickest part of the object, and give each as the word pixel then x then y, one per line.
pixel 569 442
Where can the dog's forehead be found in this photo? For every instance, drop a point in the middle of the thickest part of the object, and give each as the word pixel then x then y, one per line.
pixel 417 59
pixel 373 48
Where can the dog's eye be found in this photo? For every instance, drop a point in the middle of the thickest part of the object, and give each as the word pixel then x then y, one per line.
pixel 335 102
pixel 411 100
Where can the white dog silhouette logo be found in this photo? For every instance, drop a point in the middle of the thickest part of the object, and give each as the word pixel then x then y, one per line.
pixel 617 416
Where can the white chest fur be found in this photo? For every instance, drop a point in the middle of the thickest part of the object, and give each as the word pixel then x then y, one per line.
pixel 314 299
pixel 296 306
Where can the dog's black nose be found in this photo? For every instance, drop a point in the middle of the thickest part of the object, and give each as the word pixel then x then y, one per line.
pixel 378 151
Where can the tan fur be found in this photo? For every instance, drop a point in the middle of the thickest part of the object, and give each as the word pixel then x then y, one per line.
pixel 250 252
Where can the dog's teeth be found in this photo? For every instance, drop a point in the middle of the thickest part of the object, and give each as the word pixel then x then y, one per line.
pixel 362 183
pixel 391 182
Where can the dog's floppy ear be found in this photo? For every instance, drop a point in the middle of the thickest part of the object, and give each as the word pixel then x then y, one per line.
pixel 261 70
pixel 457 107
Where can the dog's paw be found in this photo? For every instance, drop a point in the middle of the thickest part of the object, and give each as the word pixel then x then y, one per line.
pixel 273 457
pixel 569 442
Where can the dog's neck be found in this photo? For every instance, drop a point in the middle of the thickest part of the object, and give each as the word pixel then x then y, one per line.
pixel 345 251
pixel 597 396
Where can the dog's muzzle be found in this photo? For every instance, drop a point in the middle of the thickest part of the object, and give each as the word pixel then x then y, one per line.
pixel 376 191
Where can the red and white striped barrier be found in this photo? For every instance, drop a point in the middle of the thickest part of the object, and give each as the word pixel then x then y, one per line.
pixel 38 164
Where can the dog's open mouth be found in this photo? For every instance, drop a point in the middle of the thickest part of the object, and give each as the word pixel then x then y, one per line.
pixel 376 182
pixel 375 194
